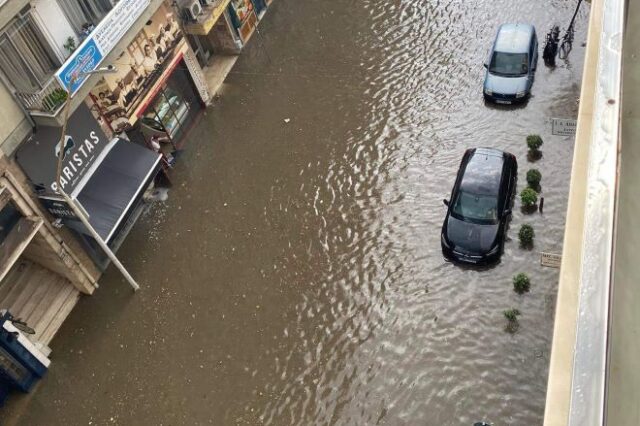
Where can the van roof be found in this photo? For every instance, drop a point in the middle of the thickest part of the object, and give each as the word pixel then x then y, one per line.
pixel 514 38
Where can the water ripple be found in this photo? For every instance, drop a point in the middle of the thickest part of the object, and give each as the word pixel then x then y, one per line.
pixel 397 335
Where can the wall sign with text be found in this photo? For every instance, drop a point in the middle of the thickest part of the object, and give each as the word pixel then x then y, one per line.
pixel 88 56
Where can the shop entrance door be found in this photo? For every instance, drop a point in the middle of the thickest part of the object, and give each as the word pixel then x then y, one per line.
pixel 176 106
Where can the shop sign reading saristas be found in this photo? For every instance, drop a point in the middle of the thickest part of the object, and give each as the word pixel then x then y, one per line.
pixel 100 42
pixel 82 147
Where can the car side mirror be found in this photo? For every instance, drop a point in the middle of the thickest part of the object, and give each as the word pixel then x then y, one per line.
pixel 446 202
pixel 507 213
pixel 486 65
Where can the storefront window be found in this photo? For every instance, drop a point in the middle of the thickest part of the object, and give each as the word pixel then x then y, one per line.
pixel 172 109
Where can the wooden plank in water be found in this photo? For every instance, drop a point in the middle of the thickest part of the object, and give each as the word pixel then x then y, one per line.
pixel 42 297
pixel 24 289
pixel 10 300
pixel 38 287
pixel 56 322
pixel 48 306
pixel 8 284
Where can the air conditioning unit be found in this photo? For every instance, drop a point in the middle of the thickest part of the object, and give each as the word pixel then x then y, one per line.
pixel 193 9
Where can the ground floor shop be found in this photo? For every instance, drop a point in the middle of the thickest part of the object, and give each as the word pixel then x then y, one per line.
pixel 218 34
pixel 104 176
pixel 158 88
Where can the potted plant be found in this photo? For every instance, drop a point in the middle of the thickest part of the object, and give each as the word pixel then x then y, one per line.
pixel 533 178
pixel 526 235
pixel 521 283
pixel 54 99
pixel 70 45
pixel 528 197
pixel 512 320
pixel 534 142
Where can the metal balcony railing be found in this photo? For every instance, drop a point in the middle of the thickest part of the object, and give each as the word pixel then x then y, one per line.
pixel 47 100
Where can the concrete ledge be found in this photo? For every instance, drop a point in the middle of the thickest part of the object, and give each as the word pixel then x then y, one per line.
pixel 216 71
pixel 558 399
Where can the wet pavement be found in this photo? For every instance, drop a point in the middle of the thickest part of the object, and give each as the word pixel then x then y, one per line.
pixel 295 277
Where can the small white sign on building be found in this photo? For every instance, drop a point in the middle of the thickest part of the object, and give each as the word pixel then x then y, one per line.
pixel 550 260
pixel 563 126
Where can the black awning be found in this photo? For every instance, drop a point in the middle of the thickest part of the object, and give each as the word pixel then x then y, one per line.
pixel 113 185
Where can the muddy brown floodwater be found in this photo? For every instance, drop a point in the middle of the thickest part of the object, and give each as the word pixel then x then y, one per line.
pixel 295 277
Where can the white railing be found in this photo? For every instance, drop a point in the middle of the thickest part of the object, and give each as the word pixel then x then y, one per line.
pixel 47 100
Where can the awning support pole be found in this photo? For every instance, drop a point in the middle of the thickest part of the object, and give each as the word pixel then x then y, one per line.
pixel 79 212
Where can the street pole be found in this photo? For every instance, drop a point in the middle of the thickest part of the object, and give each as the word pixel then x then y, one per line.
pixel 103 245
pixel 573 18
pixel 78 210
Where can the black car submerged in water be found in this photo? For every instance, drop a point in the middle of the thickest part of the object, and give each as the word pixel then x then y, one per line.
pixel 475 226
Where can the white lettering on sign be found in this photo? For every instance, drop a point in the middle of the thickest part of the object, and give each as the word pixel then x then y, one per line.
pixel 563 126
pixel 550 260
pixel 111 29
pixel 71 169
pixel 197 75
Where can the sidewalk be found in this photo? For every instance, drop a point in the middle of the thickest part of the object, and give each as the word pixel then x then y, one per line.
pixel 216 71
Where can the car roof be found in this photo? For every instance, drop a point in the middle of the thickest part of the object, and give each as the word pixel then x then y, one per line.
pixel 514 38
pixel 483 172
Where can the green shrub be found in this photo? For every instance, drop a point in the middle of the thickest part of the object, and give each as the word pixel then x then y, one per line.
pixel 70 45
pixel 511 315
pixel 528 197
pixel 512 320
pixel 534 142
pixel 534 177
pixel 521 283
pixel 54 99
pixel 526 235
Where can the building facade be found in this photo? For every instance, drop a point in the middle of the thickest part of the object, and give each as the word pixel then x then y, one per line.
pixel 160 62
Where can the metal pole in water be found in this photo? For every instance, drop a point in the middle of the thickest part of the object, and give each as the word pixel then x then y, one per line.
pixel 573 19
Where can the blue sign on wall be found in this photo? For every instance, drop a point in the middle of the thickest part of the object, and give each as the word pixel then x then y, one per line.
pixel 85 59
pixel 100 42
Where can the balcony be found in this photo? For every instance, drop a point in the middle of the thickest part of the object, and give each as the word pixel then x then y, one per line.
pixel 47 101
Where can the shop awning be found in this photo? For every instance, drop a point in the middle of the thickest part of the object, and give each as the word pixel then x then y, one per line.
pixel 114 183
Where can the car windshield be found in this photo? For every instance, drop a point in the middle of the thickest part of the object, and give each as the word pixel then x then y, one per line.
pixel 476 208
pixel 509 64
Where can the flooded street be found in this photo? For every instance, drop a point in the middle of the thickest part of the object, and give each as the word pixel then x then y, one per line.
pixel 295 276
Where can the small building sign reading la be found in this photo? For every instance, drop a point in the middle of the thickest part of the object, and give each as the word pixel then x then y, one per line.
pixel 563 126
